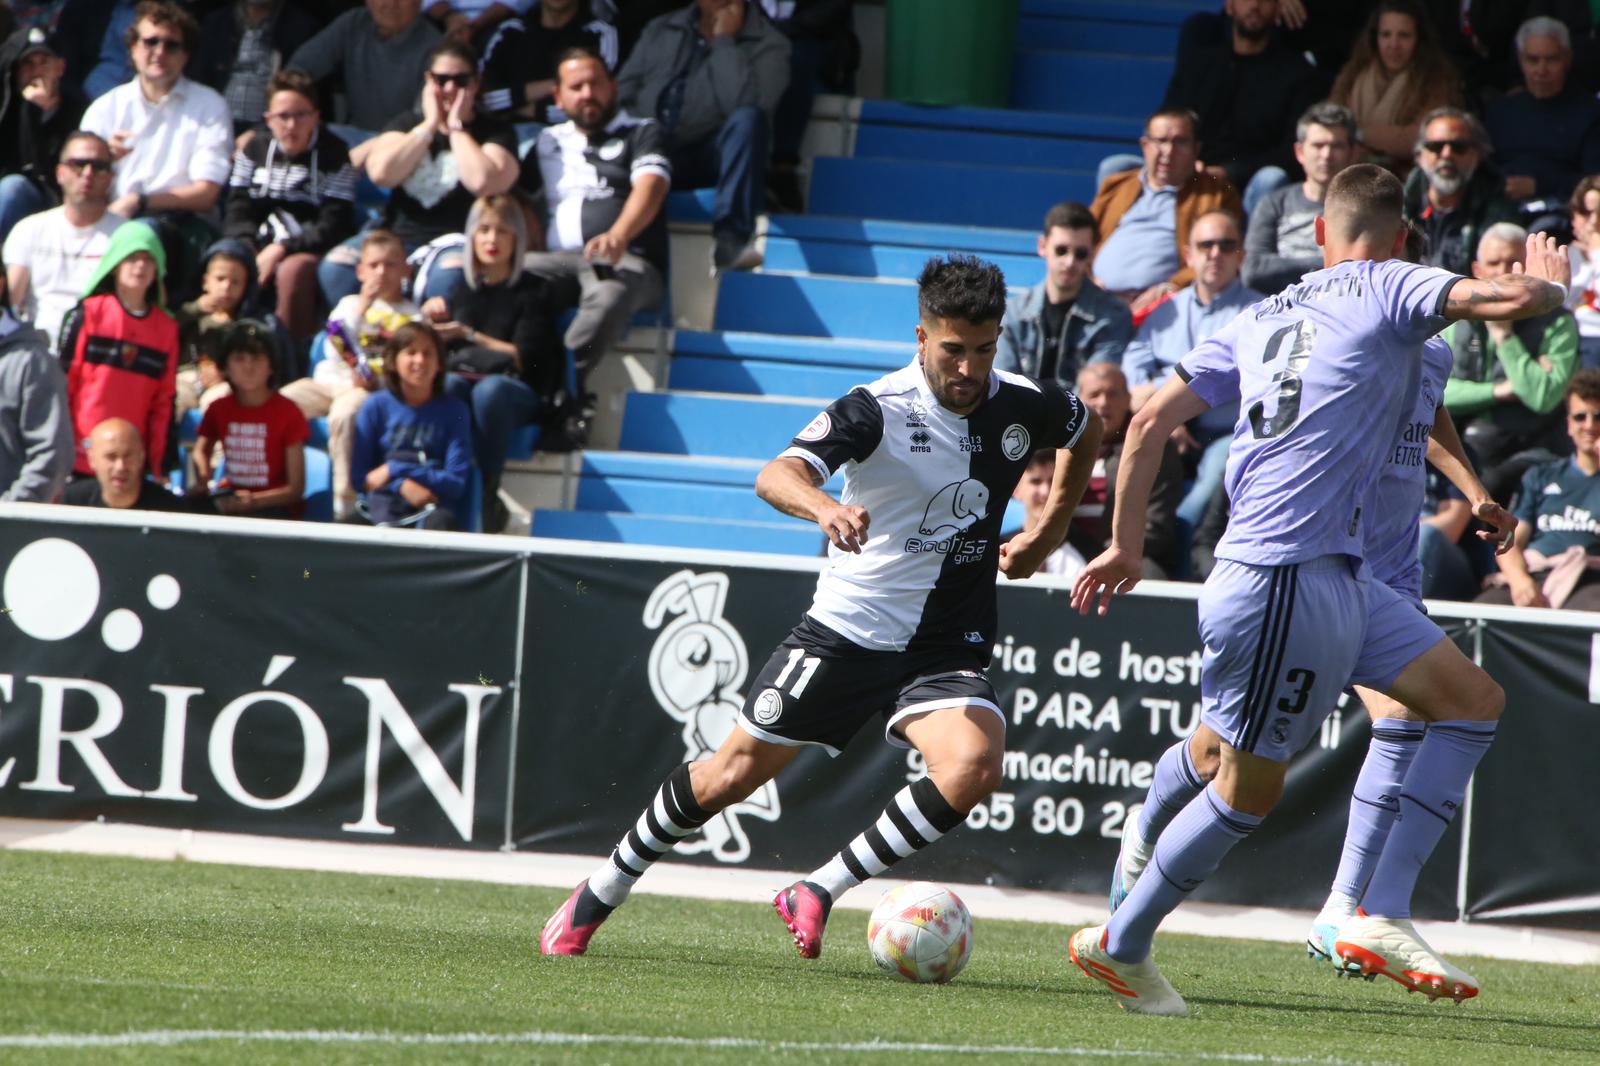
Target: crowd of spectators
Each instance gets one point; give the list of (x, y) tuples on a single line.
[(428, 223), (1494, 131), (227, 210)]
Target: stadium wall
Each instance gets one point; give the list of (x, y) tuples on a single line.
[(490, 693)]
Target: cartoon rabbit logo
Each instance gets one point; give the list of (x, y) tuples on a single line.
[(697, 668)]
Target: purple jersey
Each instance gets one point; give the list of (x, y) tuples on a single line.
[(1323, 372), (1397, 498)]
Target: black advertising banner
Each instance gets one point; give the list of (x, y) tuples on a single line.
[(1090, 704), (379, 686), (1534, 841), (174, 675)]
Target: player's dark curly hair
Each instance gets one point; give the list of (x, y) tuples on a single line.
[(961, 286)]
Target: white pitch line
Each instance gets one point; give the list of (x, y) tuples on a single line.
[(171, 1037)]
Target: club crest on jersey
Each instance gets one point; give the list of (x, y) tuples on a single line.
[(768, 707), (1014, 441), (916, 416), (955, 507), (817, 428), (611, 149)]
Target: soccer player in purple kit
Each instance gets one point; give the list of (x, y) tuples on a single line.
[(1391, 537), (1325, 372)]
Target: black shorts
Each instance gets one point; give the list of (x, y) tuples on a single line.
[(819, 688)]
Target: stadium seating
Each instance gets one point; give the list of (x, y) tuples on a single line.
[(835, 302)]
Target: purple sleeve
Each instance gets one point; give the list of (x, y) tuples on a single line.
[(1211, 369), (1413, 297)]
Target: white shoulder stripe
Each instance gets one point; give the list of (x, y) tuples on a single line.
[(1016, 379)]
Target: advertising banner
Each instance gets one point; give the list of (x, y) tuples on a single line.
[(458, 691), (640, 666), (297, 687), (1534, 840)]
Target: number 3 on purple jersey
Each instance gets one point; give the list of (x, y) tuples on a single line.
[(1287, 379)]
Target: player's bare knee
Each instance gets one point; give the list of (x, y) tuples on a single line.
[(1488, 702), (967, 780), (721, 781)]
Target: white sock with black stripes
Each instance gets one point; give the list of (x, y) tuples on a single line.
[(916, 817), (673, 815)]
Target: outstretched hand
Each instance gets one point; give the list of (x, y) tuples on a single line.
[(1111, 572), (1546, 260)]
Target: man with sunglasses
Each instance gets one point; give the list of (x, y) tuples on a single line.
[(171, 138), (1455, 193), (1550, 563), (1066, 321), (1215, 253), (50, 256)]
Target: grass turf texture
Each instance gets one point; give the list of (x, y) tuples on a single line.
[(98, 945)]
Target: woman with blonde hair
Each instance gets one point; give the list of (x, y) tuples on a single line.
[(1396, 74)]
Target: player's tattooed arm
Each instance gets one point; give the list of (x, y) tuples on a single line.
[(792, 486), (1536, 286), (1026, 552)]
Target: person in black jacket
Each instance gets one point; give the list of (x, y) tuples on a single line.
[(37, 112), (1249, 90), (291, 197), (505, 359), (242, 44)]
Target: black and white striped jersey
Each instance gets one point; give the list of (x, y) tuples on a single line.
[(585, 181), (523, 50), (935, 486)]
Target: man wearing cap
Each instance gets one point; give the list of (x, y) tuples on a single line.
[(36, 113)]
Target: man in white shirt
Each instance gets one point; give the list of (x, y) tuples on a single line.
[(172, 138), (50, 255)]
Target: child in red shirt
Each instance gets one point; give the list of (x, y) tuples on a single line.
[(263, 435)]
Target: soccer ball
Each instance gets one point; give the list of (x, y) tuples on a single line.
[(921, 932)]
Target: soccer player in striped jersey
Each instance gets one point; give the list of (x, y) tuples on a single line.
[(1325, 372), (903, 621)]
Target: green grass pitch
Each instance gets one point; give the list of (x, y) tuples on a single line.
[(266, 966)]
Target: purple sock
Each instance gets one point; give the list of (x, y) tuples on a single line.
[(1174, 785), (1376, 801), (1187, 853), (1432, 792)]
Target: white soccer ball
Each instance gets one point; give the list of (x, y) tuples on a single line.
[(920, 932)]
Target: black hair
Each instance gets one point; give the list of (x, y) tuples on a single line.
[(246, 336), (1070, 214), (961, 286)]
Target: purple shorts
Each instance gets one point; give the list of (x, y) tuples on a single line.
[(1398, 630), (1281, 643)]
